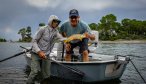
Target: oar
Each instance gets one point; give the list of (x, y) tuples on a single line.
[(64, 66), (14, 55)]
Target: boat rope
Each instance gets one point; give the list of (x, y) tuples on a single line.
[(138, 71)]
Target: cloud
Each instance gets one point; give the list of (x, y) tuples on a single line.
[(15, 14), (129, 4), (69, 4), (8, 33), (43, 4), (87, 5), (8, 30)]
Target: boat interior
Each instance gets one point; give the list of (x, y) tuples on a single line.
[(93, 56), (58, 53)]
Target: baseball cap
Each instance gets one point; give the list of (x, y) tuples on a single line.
[(73, 12)]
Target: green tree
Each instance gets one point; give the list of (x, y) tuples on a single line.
[(28, 31), (134, 29), (144, 27), (42, 24), (25, 34), (22, 32), (2, 40), (93, 26), (108, 27), (28, 37)]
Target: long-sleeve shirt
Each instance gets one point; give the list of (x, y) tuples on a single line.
[(45, 39)]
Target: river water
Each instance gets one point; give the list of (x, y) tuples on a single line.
[(13, 71)]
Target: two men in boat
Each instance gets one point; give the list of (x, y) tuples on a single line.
[(75, 26), (44, 40), (43, 43)]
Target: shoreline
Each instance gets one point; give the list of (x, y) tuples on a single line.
[(126, 41), (116, 41)]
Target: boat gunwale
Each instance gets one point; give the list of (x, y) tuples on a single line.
[(90, 62)]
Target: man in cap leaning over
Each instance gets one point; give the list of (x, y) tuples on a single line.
[(42, 45), (76, 26)]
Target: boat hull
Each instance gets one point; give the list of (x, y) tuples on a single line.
[(95, 71)]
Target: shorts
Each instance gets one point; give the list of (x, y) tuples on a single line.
[(83, 45)]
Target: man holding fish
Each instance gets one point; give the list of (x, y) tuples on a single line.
[(72, 29)]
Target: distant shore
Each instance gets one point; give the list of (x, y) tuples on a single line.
[(124, 41), (116, 41)]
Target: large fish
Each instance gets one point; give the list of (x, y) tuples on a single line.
[(75, 37)]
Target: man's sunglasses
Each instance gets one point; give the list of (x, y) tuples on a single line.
[(73, 17), (56, 21)]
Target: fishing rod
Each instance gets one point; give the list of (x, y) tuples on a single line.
[(15, 55)]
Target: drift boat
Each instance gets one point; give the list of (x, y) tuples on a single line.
[(99, 67)]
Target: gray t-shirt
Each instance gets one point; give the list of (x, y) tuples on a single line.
[(81, 28)]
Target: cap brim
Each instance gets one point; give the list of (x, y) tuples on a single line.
[(73, 15)]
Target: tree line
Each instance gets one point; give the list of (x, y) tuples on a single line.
[(25, 34), (127, 29), (3, 40), (108, 27)]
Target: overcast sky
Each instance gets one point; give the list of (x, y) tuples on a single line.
[(16, 14)]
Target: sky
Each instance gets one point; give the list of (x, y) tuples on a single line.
[(17, 14)]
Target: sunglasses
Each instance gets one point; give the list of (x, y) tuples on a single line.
[(56, 21), (73, 17)]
